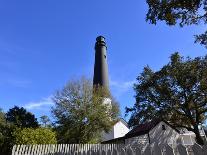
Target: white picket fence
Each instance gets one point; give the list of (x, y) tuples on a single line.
[(106, 149)]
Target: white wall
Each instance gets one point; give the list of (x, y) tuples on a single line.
[(120, 129), (140, 141), (108, 136), (169, 136)]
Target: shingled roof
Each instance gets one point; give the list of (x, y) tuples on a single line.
[(142, 129), (145, 128)]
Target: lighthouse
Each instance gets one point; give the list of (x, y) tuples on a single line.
[(100, 77)]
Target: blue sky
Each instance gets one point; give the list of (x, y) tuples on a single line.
[(43, 44)]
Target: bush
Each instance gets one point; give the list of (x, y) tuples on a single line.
[(34, 136), (6, 138)]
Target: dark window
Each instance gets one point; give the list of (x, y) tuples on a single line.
[(105, 56), (163, 127)]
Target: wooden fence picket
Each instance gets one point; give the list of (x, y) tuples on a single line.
[(105, 149), (114, 152), (168, 150), (20, 149), (137, 151), (103, 152), (122, 152), (109, 152), (147, 151), (88, 152), (182, 150), (197, 149), (14, 150), (204, 149), (37, 149), (156, 149), (129, 151)]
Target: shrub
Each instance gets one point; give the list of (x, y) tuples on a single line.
[(34, 136)]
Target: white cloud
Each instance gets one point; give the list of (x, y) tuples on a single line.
[(119, 88), (122, 85), (19, 83), (39, 104)]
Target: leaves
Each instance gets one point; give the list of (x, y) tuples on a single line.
[(80, 112), (33, 136), (182, 12), (2, 117), (21, 118), (45, 121), (6, 138), (176, 93)]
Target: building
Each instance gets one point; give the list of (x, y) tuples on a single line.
[(158, 131), (153, 131), (120, 129), (101, 79)]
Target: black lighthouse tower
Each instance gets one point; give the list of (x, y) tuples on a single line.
[(101, 67)]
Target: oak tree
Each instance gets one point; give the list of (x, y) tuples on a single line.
[(182, 12), (20, 117), (176, 93)]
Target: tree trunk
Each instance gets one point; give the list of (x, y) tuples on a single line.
[(199, 140)]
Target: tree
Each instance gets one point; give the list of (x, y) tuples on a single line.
[(80, 112), (2, 123), (184, 12), (176, 93), (6, 138), (21, 118), (5, 135), (45, 121), (2, 117), (34, 136)]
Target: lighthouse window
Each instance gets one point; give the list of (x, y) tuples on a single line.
[(105, 56), (163, 127)]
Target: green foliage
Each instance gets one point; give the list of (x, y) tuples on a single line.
[(45, 121), (2, 123), (80, 112), (2, 117), (13, 131), (21, 118), (6, 140), (176, 93), (184, 12), (34, 136), (5, 135)]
